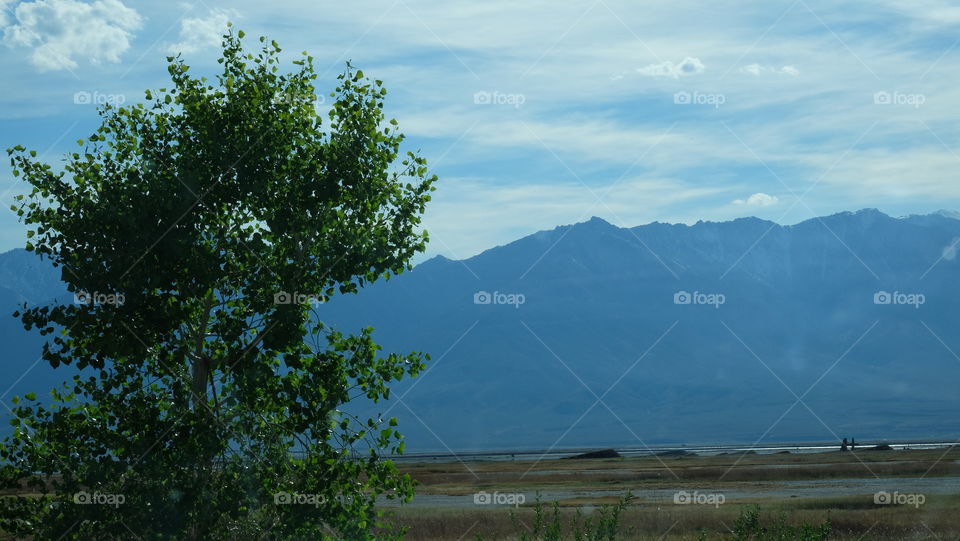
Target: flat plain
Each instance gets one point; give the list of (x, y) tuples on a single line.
[(866, 494)]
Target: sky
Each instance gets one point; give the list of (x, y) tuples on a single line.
[(536, 114)]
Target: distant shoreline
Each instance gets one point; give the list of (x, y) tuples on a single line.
[(634, 451)]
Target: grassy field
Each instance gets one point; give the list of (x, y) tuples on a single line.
[(804, 488), (798, 489)]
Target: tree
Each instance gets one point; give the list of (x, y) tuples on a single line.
[(200, 231)]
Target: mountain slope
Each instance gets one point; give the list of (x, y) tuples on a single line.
[(599, 352), (599, 317)]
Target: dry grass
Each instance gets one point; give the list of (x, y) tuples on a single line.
[(853, 516), (456, 478)]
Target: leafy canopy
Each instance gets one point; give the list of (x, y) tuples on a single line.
[(201, 231)]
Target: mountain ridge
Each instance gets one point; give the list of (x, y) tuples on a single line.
[(616, 312), (596, 220)]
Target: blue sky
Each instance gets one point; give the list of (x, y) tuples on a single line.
[(536, 114)]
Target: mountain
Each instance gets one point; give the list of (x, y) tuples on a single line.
[(599, 321), (595, 335), (24, 278)]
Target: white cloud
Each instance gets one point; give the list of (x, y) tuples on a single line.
[(757, 69), (758, 199), (687, 66), (61, 31), (930, 12), (4, 13), (200, 33)]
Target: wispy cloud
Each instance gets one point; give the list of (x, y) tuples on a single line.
[(5, 14), (757, 69), (687, 66), (798, 91)]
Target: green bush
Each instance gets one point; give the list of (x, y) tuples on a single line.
[(549, 525), (748, 527)]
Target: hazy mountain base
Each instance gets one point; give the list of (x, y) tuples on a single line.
[(798, 320)]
